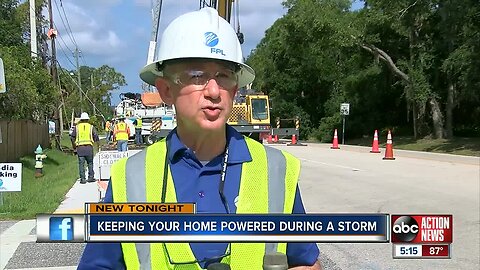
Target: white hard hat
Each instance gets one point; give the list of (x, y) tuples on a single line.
[(84, 116), (199, 34)]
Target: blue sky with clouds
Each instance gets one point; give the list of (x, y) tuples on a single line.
[(117, 32)]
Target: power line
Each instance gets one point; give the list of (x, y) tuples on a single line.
[(83, 92), (66, 56), (68, 29), (68, 24), (83, 58), (70, 35)]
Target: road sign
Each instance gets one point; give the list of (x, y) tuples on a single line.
[(3, 86), (345, 108), (10, 177)]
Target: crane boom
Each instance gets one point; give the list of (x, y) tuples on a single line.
[(224, 9), (156, 10)]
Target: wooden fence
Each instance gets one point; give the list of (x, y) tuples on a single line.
[(19, 138)]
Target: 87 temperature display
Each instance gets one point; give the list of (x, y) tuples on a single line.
[(421, 251)]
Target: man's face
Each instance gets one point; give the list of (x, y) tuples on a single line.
[(202, 92)]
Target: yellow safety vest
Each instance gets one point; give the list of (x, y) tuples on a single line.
[(108, 126), (121, 132), (84, 134), (267, 185), (139, 123)]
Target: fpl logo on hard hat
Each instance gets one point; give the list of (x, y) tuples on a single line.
[(211, 40)]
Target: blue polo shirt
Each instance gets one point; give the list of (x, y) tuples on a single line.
[(198, 183)]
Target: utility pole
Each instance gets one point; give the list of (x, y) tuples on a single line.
[(79, 80), (33, 30), (53, 69)]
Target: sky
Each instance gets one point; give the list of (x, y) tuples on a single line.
[(117, 32)]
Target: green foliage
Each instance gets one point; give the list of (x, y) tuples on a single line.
[(10, 26), (314, 58), (324, 133), (30, 94), (60, 171), (97, 83)]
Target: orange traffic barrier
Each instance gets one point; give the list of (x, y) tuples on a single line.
[(375, 143), (389, 150), (335, 141)]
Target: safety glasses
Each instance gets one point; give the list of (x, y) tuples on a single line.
[(227, 79)]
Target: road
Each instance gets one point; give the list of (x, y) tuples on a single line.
[(335, 181)]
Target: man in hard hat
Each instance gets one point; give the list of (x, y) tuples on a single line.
[(138, 123), (85, 136), (121, 133), (109, 130), (199, 71)]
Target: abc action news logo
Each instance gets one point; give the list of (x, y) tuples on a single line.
[(422, 228)]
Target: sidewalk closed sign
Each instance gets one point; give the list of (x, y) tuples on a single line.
[(107, 158), (10, 177), (3, 86), (103, 160)]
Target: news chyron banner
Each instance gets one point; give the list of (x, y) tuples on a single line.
[(155, 222), (422, 236)]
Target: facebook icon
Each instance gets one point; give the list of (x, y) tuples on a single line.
[(61, 228)]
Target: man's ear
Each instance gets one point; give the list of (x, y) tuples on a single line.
[(164, 89)]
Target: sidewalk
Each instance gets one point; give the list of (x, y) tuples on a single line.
[(77, 196), (17, 239)]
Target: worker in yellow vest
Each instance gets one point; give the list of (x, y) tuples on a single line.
[(138, 123), (121, 133), (203, 160), (109, 130), (85, 136)]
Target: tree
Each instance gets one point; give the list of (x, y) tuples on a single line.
[(30, 92), (97, 83)]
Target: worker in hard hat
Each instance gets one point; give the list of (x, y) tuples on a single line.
[(203, 160), (138, 123), (85, 136), (109, 130), (121, 133)]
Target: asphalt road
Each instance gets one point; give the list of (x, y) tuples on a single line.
[(355, 181), (349, 180)]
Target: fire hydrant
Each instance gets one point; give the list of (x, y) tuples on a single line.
[(39, 157)]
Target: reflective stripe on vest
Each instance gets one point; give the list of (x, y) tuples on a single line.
[(121, 132), (268, 185), (84, 134)]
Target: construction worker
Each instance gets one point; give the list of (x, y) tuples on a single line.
[(138, 129), (85, 135), (121, 132), (210, 163), (109, 130)]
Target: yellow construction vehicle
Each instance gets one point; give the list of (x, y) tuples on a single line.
[(251, 110), (251, 114)]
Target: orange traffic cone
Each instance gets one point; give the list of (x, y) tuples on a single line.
[(335, 141), (375, 143), (294, 139), (389, 150), (269, 140)]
